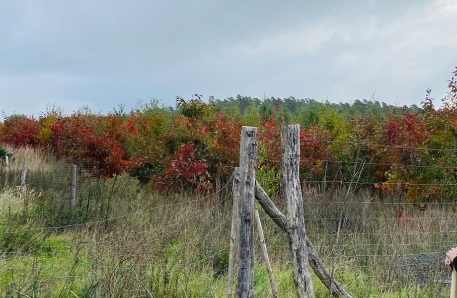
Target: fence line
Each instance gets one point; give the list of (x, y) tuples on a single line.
[(404, 147), (209, 234), (379, 182), (108, 220), (366, 163), (200, 199), (108, 242), (191, 264), (285, 246), (354, 246)]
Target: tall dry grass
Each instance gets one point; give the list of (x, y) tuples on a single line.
[(367, 233), (123, 240)]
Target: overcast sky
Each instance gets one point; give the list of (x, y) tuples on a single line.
[(100, 54)]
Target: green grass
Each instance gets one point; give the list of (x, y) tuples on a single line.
[(49, 271), (126, 241)]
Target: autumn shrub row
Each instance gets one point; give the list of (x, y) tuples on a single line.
[(410, 153)]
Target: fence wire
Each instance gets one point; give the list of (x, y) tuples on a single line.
[(390, 242)]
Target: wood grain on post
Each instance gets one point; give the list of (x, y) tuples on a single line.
[(291, 191), (263, 245), (315, 262), (247, 170), (234, 236)]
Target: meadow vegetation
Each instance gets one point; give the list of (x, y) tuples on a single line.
[(126, 240), (153, 208)]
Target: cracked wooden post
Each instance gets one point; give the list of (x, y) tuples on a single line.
[(247, 170), (234, 236), (291, 192)]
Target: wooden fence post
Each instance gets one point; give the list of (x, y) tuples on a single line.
[(7, 161), (234, 236), (263, 245), (73, 187), (23, 176), (247, 170), (291, 191)]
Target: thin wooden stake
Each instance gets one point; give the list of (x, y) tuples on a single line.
[(73, 187), (234, 233), (314, 261), (248, 166), (263, 245), (291, 191), (454, 284), (23, 176)]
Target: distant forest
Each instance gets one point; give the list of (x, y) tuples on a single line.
[(306, 111)]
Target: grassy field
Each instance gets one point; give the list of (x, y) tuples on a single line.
[(123, 240)]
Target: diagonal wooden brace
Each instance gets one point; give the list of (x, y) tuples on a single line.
[(335, 289)]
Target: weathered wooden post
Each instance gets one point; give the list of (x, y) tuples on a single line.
[(291, 191), (234, 236), (73, 187), (263, 245), (247, 170), (23, 176), (6, 161)]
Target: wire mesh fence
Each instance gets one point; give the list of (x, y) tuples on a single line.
[(124, 240)]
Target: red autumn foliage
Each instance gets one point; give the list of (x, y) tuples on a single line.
[(270, 141), (75, 139), (223, 153), (185, 171), (409, 153), (404, 134), (20, 131), (314, 148)]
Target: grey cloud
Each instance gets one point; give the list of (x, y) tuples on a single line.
[(104, 52)]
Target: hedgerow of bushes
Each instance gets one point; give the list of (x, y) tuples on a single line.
[(410, 151)]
